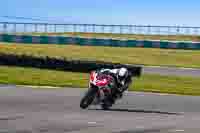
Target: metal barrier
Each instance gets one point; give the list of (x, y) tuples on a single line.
[(98, 42), (12, 27)]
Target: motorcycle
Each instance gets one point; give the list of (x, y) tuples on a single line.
[(100, 91)]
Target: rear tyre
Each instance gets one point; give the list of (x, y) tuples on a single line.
[(106, 106), (88, 98)]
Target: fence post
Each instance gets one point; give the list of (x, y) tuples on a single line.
[(65, 28), (35, 28), (158, 31), (15, 28), (168, 32), (111, 27), (24, 28), (4, 27), (130, 29), (74, 28), (120, 29), (55, 28), (149, 29), (102, 28), (93, 28), (45, 28), (85, 27), (177, 30)]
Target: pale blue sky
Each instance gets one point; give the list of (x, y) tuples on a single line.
[(154, 12)]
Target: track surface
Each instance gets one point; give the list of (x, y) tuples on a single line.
[(26, 110), (172, 71)]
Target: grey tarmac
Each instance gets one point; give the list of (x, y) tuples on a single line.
[(28, 110), (191, 72)]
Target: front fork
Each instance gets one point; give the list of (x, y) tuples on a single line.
[(101, 97)]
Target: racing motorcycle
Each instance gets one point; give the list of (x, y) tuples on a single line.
[(100, 91)]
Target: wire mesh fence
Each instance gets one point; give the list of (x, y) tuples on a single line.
[(13, 28)]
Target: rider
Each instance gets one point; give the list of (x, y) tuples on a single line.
[(122, 78)]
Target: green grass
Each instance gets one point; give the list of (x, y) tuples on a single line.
[(43, 77), (126, 36), (144, 56), (148, 83)]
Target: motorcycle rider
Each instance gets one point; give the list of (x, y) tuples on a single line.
[(122, 77)]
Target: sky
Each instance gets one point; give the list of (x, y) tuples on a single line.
[(144, 12)]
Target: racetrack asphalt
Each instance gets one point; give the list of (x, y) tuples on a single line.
[(27, 110), (192, 72)]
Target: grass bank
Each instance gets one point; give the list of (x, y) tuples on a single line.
[(147, 83), (141, 56)]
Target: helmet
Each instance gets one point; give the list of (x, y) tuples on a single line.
[(122, 74)]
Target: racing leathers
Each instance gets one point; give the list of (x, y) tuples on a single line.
[(121, 85)]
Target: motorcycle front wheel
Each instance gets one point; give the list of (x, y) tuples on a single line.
[(88, 98)]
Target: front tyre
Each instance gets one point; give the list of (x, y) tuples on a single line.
[(88, 98)]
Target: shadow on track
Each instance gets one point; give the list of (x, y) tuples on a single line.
[(153, 130), (140, 111)]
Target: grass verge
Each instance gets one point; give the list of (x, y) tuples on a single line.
[(144, 56), (147, 83)]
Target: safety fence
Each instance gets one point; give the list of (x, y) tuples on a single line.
[(29, 39), (13, 27)]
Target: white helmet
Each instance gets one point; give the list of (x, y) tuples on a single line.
[(122, 74)]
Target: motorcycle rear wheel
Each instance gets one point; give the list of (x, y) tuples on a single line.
[(107, 104)]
